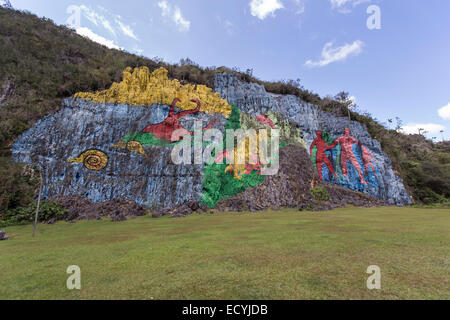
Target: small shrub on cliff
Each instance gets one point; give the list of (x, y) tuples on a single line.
[(320, 194)]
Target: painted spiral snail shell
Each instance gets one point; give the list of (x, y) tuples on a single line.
[(92, 159)]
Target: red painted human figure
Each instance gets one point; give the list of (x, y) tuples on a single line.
[(165, 129), (367, 159), (321, 157), (346, 142)]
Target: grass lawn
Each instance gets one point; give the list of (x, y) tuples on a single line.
[(269, 255)]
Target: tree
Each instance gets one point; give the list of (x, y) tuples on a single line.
[(188, 62), (344, 98), (6, 4), (38, 204), (399, 124), (390, 122)]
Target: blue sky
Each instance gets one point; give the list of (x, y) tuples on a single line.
[(401, 69)]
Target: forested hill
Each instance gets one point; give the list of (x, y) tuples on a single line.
[(42, 63)]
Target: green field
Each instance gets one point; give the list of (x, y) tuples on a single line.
[(268, 255)]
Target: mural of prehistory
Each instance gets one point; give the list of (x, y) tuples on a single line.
[(117, 144), (333, 139)]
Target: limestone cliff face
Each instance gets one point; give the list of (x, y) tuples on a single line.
[(253, 99), (81, 125), (98, 146)]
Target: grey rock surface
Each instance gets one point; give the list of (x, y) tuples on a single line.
[(253, 99)]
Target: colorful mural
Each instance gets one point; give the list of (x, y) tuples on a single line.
[(132, 146), (161, 134), (144, 88), (221, 180), (367, 159), (135, 118), (337, 154), (320, 156), (165, 129), (252, 161)]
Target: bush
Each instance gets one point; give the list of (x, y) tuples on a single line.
[(320, 194), (47, 211), (17, 185)]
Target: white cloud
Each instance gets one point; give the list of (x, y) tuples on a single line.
[(338, 3), (344, 6), (165, 7), (352, 99), (330, 54), (227, 25), (97, 19), (126, 30), (137, 50), (430, 128), (300, 6), (86, 32), (262, 8), (174, 13), (183, 24), (444, 112), (100, 20)]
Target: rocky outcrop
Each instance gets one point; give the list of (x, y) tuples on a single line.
[(253, 99)]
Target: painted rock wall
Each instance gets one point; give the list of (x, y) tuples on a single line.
[(117, 143), (105, 145), (381, 181), (81, 125)]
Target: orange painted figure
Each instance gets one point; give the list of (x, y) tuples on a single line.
[(346, 142), (367, 159), (321, 157), (165, 129)]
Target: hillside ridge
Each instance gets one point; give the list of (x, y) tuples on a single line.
[(33, 83)]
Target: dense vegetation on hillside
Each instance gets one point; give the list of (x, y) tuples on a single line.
[(41, 63)]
